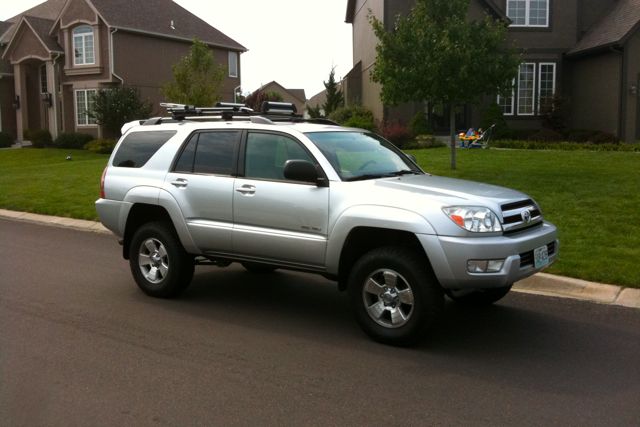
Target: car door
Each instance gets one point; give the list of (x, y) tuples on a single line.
[(201, 182), (276, 219)]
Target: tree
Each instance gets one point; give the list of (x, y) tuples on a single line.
[(436, 54), (116, 106), (197, 78), (335, 98), (255, 100)]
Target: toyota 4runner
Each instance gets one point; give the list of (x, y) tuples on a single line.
[(271, 190)]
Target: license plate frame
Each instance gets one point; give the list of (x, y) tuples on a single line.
[(541, 257)]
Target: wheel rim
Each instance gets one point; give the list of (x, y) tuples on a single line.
[(153, 260), (388, 298)]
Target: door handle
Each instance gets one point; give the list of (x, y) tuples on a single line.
[(180, 183), (247, 190)]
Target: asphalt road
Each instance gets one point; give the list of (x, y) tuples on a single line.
[(80, 345)]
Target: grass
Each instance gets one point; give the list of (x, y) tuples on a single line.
[(593, 198)]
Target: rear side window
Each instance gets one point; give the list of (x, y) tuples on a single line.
[(210, 153), (138, 147)]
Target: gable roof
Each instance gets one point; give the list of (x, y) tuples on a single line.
[(296, 93), (40, 28), (163, 18), (612, 29)]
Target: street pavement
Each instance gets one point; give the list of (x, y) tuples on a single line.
[(539, 284)]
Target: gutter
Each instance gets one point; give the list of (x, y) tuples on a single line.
[(54, 94), (111, 66)]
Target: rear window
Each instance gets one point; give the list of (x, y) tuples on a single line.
[(138, 147)]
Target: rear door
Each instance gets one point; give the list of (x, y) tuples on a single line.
[(201, 181), (274, 218)]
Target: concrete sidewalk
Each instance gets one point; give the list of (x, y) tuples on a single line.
[(539, 284)]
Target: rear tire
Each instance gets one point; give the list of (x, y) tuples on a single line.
[(159, 264), (395, 295), (478, 297)]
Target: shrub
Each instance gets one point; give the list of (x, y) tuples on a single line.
[(101, 146), (579, 135), (395, 132), (72, 140), (492, 115), (564, 146), (419, 124), (604, 138), (354, 116), (256, 99), (546, 135), (5, 140), (118, 105), (424, 141), (40, 138)]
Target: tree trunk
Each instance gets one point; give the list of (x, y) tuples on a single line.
[(452, 130)]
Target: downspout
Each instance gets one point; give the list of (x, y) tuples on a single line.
[(54, 95), (111, 66), (622, 96)]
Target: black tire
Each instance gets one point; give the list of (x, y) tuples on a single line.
[(403, 300), (258, 268), (479, 297), (159, 264)]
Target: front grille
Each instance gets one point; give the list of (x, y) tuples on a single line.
[(526, 258), (515, 213)]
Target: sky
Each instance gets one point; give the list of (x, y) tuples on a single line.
[(294, 42)]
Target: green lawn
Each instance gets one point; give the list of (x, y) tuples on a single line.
[(593, 198)]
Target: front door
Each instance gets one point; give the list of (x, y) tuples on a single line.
[(276, 219)]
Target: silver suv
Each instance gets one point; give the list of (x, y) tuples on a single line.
[(271, 190)]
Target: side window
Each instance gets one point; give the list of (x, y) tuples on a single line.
[(267, 153), (209, 153), (138, 147)]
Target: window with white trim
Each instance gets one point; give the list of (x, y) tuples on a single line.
[(43, 78), (528, 13), (507, 103), (547, 85), (233, 64), (85, 101), (83, 45), (526, 88)]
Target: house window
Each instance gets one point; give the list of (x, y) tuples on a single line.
[(233, 64), (547, 88), (526, 85), (85, 101), (83, 45), (506, 103), (528, 13), (43, 79)]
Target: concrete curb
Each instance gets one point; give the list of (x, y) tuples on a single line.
[(538, 284)]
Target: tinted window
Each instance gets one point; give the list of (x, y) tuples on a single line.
[(267, 153), (210, 153), (138, 147)]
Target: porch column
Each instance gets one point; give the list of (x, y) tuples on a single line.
[(52, 111), (22, 113)]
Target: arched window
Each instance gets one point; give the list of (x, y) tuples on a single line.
[(83, 45)]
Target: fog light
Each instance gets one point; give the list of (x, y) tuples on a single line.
[(484, 265)]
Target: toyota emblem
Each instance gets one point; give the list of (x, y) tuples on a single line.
[(526, 216)]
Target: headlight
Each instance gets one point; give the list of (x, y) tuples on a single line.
[(474, 218)]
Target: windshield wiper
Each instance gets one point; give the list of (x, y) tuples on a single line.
[(383, 175), (404, 172)]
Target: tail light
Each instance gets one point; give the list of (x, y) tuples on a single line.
[(104, 173)]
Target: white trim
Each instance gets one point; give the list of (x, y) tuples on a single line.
[(84, 36), (75, 108), (237, 59), (553, 82), (533, 90), (513, 100), (527, 15)]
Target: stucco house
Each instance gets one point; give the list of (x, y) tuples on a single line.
[(586, 52), (55, 56)]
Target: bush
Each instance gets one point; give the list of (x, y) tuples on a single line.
[(492, 115), (40, 138), (72, 140), (5, 140), (354, 116), (419, 124), (564, 146), (101, 146), (604, 138), (424, 141), (546, 135), (395, 132)]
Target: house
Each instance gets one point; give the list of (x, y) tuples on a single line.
[(585, 52), (296, 96), (55, 56)]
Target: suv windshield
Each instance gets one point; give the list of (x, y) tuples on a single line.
[(361, 155)]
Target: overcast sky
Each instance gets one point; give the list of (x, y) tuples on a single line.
[(295, 42)]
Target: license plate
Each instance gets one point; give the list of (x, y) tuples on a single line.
[(541, 256)]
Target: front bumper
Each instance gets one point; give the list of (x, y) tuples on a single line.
[(449, 256)]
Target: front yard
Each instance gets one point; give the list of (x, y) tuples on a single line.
[(593, 198)]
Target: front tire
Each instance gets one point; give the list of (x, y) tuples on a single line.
[(159, 264), (395, 295)]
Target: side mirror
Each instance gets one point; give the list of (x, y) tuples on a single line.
[(303, 171)]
